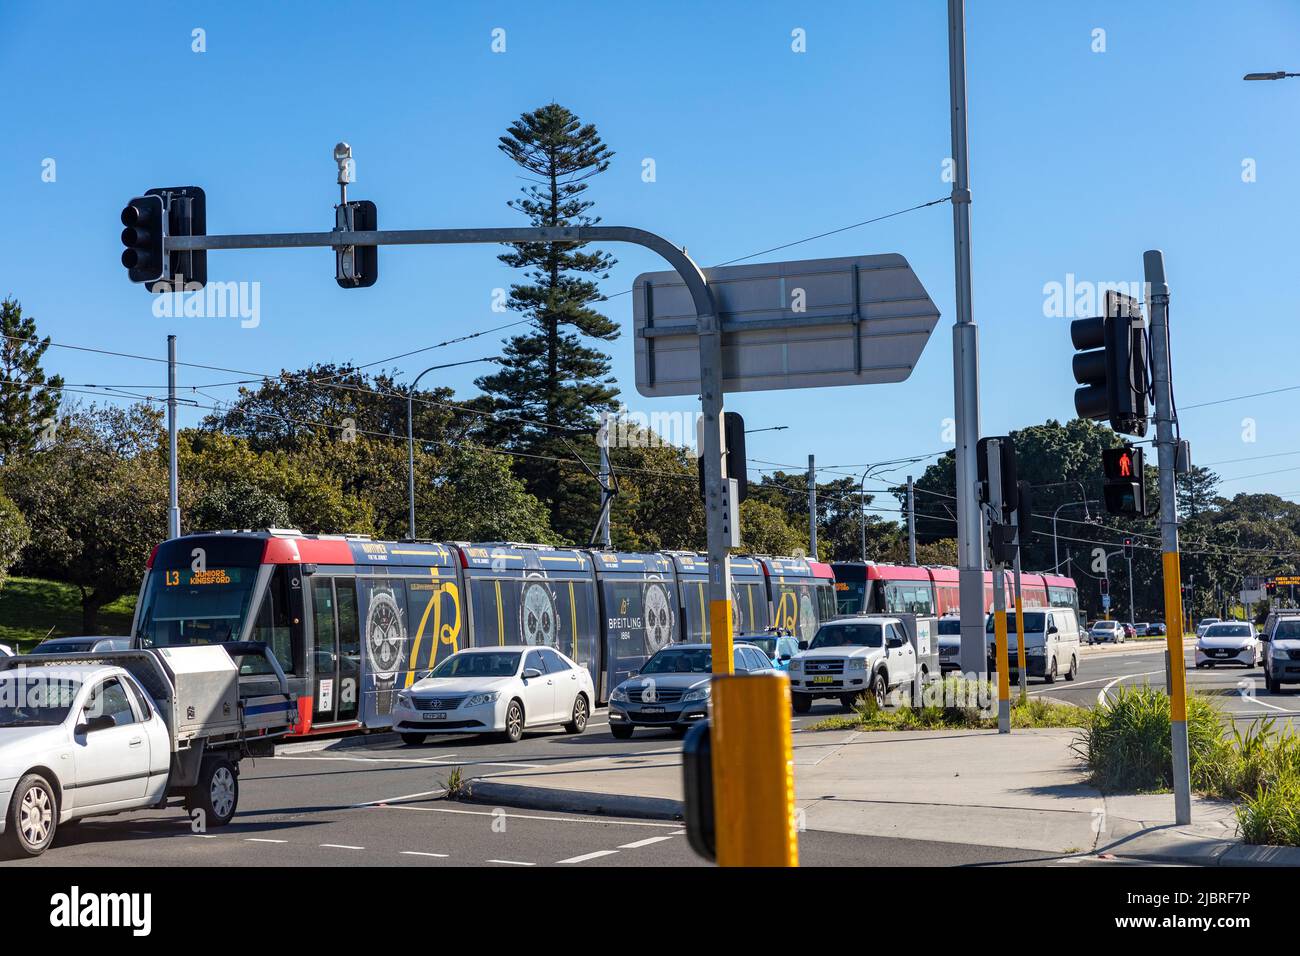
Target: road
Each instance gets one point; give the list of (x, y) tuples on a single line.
[(1241, 693), (380, 803)]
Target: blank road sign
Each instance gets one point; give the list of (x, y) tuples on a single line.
[(806, 324)]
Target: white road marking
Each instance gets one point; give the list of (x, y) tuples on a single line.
[(1101, 694), (417, 761), (588, 856), (1264, 703), (340, 846), (408, 796), (205, 836), (528, 816), (646, 842), (512, 862), (262, 840), (419, 853)]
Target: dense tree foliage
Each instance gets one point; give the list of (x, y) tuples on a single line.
[(27, 399)]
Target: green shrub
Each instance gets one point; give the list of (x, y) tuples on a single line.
[(1272, 815)]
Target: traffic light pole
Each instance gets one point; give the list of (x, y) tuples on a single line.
[(965, 360), (1020, 618), (753, 785), (1166, 443), (996, 493)]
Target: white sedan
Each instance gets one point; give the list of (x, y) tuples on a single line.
[(1226, 642), (497, 690)]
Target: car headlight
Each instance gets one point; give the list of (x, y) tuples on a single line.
[(404, 698), (698, 693), (1039, 651), (796, 664), (856, 664), (479, 699), (620, 693)]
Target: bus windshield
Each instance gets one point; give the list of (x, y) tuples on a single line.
[(182, 607)]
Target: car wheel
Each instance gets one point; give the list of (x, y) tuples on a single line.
[(1049, 676), (802, 703), (847, 701), (514, 731), (579, 721), (680, 732), (413, 740), (216, 794), (1073, 672), (1274, 686), (33, 817), (879, 689), (621, 731)]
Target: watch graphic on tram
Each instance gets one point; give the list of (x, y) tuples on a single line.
[(385, 638)]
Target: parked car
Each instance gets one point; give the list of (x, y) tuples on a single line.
[(82, 738), (1156, 629), (1130, 631), (673, 688), (1281, 651), (778, 648), (1228, 642), (949, 643), (1102, 631), (1051, 645), (6, 650), (82, 645), (1204, 623), (851, 656), (1141, 630), (496, 690)]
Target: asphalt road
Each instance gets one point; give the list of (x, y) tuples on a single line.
[(1240, 692), (380, 803)]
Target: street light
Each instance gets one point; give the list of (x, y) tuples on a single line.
[(1087, 516), (1279, 75), (410, 428)]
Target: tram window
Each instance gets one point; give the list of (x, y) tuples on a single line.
[(273, 625), (825, 603)]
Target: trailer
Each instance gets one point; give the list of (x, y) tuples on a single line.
[(100, 734)]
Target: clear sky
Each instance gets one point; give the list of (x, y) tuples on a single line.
[(1080, 161)]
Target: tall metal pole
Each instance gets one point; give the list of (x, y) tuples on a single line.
[(1132, 614), (812, 508), (1161, 375), (603, 533), (1020, 618), (173, 478), (410, 459), (997, 494), (911, 523), (965, 360)]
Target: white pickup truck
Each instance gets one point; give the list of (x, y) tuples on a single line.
[(868, 654), (94, 734)]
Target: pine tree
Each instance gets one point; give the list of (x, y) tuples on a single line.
[(550, 374), (27, 399)]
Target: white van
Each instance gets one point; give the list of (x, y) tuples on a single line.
[(1051, 644)]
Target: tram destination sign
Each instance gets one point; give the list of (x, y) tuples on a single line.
[(811, 323)]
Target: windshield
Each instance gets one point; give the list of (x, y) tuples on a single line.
[(949, 626), (182, 606), (848, 635), (1105, 625), (61, 646), (489, 664), (1288, 629), (765, 644), (35, 698), (848, 596), (1033, 622), (1230, 630), (681, 660)]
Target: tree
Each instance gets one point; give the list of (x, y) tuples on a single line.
[(96, 502), (27, 399), (13, 535), (765, 530), (550, 374)]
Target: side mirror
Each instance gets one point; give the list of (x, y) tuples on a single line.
[(95, 724), (634, 674), (531, 672), (803, 645), (785, 657), (895, 642)]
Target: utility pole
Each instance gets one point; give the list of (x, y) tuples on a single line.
[(173, 478), (812, 508), (965, 360), (1021, 512), (603, 531), (911, 523), (997, 509), (1167, 446)]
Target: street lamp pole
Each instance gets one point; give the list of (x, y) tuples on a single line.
[(410, 434), (1056, 548)]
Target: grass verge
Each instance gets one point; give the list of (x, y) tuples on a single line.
[(30, 607)]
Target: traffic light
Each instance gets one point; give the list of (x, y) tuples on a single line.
[(1111, 365), (733, 454), (142, 235), (356, 267), (1124, 490), (1104, 584), (1006, 472), (169, 211), (1128, 548)]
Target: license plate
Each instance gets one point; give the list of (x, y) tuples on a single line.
[(823, 680), (434, 716), (652, 710)]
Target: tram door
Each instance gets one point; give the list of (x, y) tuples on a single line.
[(336, 649)]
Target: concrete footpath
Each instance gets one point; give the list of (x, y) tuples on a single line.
[(1025, 790)]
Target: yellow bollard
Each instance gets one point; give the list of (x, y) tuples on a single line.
[(753, 771)]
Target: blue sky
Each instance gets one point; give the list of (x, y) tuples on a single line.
[(1080, 161)]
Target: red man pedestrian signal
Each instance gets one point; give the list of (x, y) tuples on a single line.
[(1124, 491)]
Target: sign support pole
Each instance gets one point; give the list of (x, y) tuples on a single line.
[(996, 495), (173, 478), (1162, 373), (1020, 620)]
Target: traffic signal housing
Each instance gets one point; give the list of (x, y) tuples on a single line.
[(1124, 490), (733, 455), (167, 211), (142, 235), (1110, 365)]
